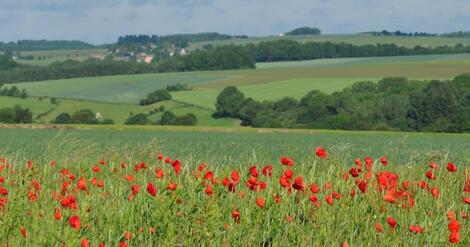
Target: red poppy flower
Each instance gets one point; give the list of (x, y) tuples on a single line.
[(84, 243), (353, 172), (454, 226), (254, 171), (151, 189), (454, 237), (171, 186), (435, 192), (236, 215), (298, 184), (314, 188), (320, 152), (23, 231), (81, 184), (433, 165), (74, 222), (260, 202), (392, 222), (329, 199), (209, 190), (267, 170), (57, 214), (160, 156), (384, 160), (176, 166), (466, 200), (378, 228), (451, 167), (287, 161), (235, 177), (363, 186), (430, 175), (416, 229)]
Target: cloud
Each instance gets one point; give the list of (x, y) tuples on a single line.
[(104, 20)]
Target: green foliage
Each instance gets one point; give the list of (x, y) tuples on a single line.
[(36, 45), (304, 31), (178, 87), (15, 114), (391, 104), (138, 119), (6, 62), (156, 96), (84, 116), (168, 118), (63, 118), (188, 119), (229, 102), (13, 92)]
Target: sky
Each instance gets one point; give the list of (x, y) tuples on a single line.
[(103, 21)]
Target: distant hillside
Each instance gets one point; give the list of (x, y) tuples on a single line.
[(42, 45)]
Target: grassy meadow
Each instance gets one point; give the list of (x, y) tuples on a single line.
[(144, 186)]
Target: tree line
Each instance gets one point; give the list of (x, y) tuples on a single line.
[(230, 57), (390, 104), (35, 45), (179, 40), (289, 50)]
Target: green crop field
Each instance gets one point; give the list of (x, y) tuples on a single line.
[(230, 146), (42, 58), (356, 39)]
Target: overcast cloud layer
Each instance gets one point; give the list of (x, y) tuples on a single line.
[(100, 21)]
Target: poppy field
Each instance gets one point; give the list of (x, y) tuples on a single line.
[(186, 187)]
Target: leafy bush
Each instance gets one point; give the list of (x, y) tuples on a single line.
[(138, 119), (168, 118), (63, 118), (187, 120), (84, 116), (15, 114), (156, 96)]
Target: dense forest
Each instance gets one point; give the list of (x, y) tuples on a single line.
[(390, 104), (35, 45)]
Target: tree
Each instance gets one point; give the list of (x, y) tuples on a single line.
[(63, 118), (168, 118), (187, 120), (229, 102), (156, 96), (15, 114), (305, 31), (84, 116)]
